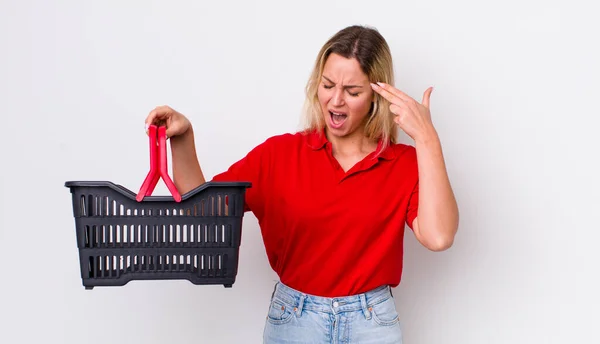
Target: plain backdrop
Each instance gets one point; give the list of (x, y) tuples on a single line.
[(514, 102)]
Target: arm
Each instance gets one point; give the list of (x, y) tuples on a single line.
[(187, 173), (437, 220)]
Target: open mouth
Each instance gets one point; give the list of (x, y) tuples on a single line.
[(337, 118)]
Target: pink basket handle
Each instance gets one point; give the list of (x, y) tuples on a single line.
[(158, 165)]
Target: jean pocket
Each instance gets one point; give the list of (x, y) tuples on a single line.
[(385, 313), (279, 312)]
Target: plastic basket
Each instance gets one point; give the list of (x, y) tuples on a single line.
[(123, 236)]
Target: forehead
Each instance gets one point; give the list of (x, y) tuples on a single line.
[(338, 68)]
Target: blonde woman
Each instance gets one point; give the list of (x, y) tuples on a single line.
[(333, 199)]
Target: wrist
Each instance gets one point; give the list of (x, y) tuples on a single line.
[(429, 137), (184, 137)]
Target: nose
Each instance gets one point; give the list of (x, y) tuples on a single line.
[(337, 98)]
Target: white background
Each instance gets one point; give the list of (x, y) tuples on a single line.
[(516, 84)]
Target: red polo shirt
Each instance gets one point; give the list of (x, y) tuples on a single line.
[(328, 232)]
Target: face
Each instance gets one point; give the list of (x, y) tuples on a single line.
[(345, 96)]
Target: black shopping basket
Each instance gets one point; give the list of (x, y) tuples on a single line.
[(123, 236)]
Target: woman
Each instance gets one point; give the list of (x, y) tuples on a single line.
[(332, 200)]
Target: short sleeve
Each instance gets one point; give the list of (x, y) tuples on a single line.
[(413, 206), (251, 168)]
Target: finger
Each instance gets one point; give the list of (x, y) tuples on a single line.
[(398, 113), (149, 120), (426, 96), (391, 89), (151, 117), (397, 110), (386, 94), (171, 130), (404, 99), (160, 113)]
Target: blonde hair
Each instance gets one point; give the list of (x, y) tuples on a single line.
[(373, 54)]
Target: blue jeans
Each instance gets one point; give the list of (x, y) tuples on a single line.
[(296, 317)]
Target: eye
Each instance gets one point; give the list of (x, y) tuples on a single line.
[(327, 86), (353, 94)]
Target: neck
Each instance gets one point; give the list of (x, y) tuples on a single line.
[(355, 144)]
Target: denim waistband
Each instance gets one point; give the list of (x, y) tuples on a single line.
[(333, 305)]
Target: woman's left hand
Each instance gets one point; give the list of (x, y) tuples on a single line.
[(411, 116)]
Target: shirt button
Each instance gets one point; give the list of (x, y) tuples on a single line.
[(335, 304)]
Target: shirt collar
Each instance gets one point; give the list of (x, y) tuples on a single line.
[(317, 140)]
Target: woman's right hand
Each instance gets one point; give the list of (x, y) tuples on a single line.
[(176, 123)]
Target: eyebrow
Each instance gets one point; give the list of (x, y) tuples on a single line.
[(347, 86)]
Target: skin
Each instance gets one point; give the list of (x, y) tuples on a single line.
[(187, 173), (346, 89), (437, 223)]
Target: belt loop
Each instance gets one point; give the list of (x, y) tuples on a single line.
[(300, 305), (363, 303)]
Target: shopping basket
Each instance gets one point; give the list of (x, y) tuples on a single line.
[(123, 236)]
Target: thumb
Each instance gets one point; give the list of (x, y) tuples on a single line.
[(426, 96), (173, 128), (169, 132)]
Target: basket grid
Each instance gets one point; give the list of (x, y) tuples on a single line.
[(102, 205), (113, 266)]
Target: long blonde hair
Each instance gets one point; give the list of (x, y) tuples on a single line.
[(373, 54)]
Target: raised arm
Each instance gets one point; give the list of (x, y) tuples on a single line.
[(187, 173), (437, 221)]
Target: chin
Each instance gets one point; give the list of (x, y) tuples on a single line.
[(337, 132)]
